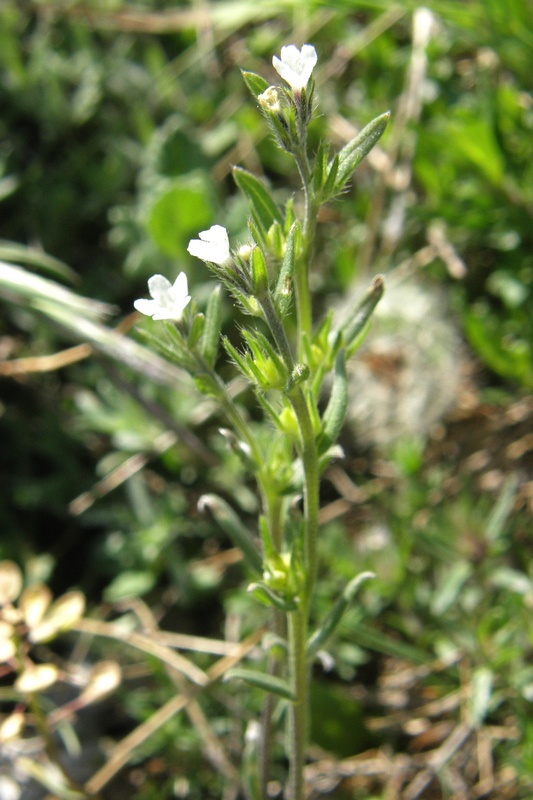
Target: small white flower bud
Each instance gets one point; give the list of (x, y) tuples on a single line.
[(269, 100)]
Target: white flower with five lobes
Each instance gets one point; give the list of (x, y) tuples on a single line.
[(212, 246), (296, 66), (168, 300)]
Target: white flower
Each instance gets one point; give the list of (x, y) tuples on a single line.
[(296, 66), (168, 300), (212, 246)]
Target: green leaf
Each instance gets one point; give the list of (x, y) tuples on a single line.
[(234, 528), (261, 680), (268, 597), (320, 637), (335, 412), (180, 207), (264, 209), (23, 254), (360, 316), (353, 153), (255, 83)]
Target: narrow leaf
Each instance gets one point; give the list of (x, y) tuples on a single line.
[(234, 528), (353, 153), (264, 208), (319, 638), (261, 680), (335, 412), (268, 597), (361, 315)]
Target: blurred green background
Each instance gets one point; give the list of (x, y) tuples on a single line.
[(119, 125)]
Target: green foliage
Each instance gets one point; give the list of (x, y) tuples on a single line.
[(109, 142)]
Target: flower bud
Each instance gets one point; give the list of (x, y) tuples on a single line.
[(270, 100)]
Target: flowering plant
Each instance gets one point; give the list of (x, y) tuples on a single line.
[(289, 361)]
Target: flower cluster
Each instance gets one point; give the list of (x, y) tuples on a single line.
[(168, 301)]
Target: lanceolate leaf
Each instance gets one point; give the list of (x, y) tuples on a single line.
[(234, 528), (264, 208), (320, 637), (353, 153), (268, 683), (268, 597), (255, 83), (355, 326), (335, 412)]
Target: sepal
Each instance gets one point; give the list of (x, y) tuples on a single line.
[(258, 267), (213, 324), (196, 331), (283, 291)]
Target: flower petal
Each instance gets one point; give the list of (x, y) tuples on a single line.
[(159, 286), (295, 66), (168, 300), (147, 307), (212, 246)]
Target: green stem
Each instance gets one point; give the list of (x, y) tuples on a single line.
[(311, 488), (301, 276), (299, 710), (298, 621), (267, 732)]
